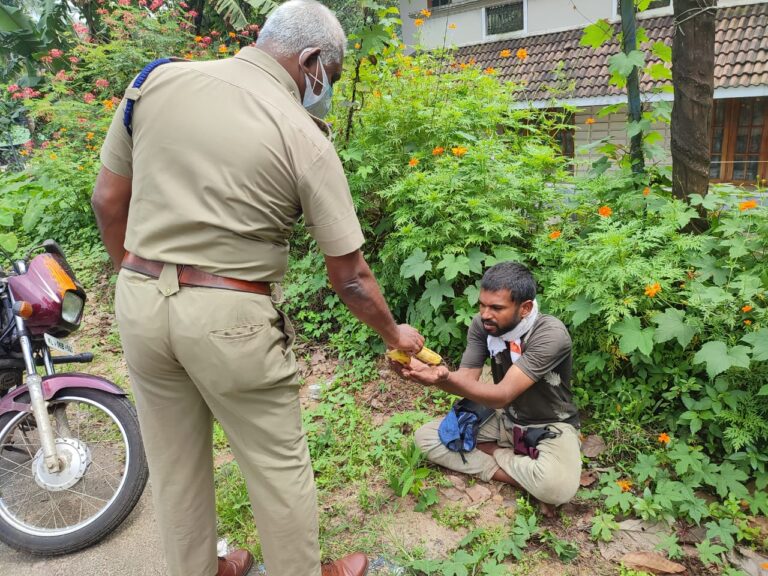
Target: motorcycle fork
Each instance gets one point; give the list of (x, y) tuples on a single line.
[(34, 385)]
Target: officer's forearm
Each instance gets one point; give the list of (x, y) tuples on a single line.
[(355, 284), (110, 201)]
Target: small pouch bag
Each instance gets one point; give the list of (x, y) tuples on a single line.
[(525, 440)]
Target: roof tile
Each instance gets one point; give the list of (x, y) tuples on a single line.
[(741, 55)]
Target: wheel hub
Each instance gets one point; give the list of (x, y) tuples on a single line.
[(74, 458)]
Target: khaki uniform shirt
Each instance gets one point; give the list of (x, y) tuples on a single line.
[(224, 160)]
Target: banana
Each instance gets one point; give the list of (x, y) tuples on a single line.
[(425, 355)]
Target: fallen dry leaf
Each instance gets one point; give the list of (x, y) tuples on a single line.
[(593, 446), (651, 562), (588, 477)]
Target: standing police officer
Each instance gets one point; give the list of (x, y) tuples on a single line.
[(196, 205)]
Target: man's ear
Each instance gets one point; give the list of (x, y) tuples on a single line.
[(525, 308), (310, 59)]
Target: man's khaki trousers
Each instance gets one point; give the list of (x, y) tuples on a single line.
[(195, 354), (552, 478)]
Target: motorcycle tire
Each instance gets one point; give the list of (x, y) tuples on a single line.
[(52, 542)]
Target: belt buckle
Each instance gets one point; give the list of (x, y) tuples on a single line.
[(276, 293)]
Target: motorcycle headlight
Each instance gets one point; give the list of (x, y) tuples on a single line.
[(72, 307)]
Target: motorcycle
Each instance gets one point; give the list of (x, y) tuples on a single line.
[(72, 465)]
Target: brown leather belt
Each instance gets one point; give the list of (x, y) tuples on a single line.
[(191, 276)]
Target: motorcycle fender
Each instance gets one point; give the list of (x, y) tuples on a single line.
[(54, 384)]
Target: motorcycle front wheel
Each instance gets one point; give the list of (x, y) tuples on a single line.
[(103, 471)]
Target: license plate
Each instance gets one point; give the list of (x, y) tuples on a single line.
[(59, 345)]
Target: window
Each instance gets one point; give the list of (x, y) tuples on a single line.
[(739, 142), (438, 3), (505, 18), (652, 6)]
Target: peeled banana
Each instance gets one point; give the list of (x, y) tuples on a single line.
[(425, 355)]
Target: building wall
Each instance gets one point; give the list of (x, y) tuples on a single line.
[(612, 126)]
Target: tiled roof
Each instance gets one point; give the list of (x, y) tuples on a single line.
[(557, 60)]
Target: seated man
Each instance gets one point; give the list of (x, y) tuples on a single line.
[(531, 365)]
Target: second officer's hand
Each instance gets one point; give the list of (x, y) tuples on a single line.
[(424, 374), (408, 339)]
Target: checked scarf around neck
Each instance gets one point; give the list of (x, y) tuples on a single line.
[(498, 344)]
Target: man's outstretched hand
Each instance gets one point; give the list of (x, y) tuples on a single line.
[(422, 373), (408, 339)]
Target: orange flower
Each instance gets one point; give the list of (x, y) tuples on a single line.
[(189, 56), (376, 94), (555, 234), (490, 70), (625, 485), (108, 104), (605, 211), (747, 205), (463, 66), (357, 45), (589, 121), (746, 308), (413, 162), (652, 289), (198, 38), (89, 136), (418, 22), (459, 151), (646, 191), (232, 35), (748, 322), (24, 152), (437, 150), (522, 54), (505, 53), (664, 438), (452, 26), (222, 49), (426, 13), (472, 61), (764, 565), (52, 156)]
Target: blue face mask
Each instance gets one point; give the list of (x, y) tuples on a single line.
[(317, 104)]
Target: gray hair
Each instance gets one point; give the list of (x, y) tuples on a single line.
[(299, 24)]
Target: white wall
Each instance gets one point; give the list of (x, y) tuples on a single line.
[(613, 126)]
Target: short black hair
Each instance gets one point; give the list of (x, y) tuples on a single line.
[(511, 276)]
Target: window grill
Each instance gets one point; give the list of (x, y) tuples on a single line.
[(504, 18)]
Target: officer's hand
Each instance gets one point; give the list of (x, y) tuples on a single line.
[(408, 339), (423, 373)]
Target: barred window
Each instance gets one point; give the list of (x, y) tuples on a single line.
[(504, 18), (437, 3)]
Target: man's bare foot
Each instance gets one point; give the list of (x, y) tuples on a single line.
[(547, 510)]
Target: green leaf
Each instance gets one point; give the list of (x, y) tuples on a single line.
[(763, 390), (662, 51), (415, 265), (671, 324), (6, 218), (583, 307), (436, 290), (472, 292), (454, 265), (610, 109), (9, 242), (719, 358), (476, 257), (708, 552), (633, 337), (597, 34), (647, 466), (759, 342), (504, 254), (659, 71), (623, 64), (32, 215)]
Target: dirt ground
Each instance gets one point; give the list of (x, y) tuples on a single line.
[(396, 530)]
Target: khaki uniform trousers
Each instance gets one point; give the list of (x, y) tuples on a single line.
[(198, 353), (552, 478)]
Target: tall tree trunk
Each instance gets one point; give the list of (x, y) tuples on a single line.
[(629, 43), (693, 76)]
